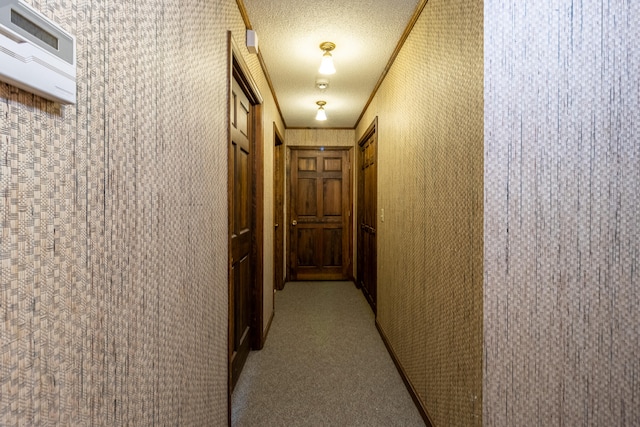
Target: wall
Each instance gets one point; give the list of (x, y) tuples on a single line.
[(320, 137), (430, 245), (113, 249), (562, 229)]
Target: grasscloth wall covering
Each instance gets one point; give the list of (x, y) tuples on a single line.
[(562, 213), (320, 137), (430, 246), (113, 292)]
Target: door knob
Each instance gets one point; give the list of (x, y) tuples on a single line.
[(294, 222), (277, 225)]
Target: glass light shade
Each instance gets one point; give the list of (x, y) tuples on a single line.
[(321, 115), (326, 66)]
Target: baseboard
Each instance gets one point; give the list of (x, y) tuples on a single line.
[(407, 382)]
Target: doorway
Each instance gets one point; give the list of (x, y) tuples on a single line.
[(320, 236), (367, 215), (278, 206), (245, 211)]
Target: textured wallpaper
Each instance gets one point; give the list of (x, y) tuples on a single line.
[(320, 137), (430, 166), (562, 213), (113, 241)]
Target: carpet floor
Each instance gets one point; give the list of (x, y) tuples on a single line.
[(323, 364)]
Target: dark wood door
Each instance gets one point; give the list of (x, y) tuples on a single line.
[(240, 210), (367, 217), (278, 215), (320, 214)]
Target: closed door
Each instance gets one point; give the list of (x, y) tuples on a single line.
[(367, 218), (320, 214), (240, 210), (279, 226)]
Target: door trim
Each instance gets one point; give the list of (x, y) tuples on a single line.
[(236, 67), (278, 190), (371, 132)]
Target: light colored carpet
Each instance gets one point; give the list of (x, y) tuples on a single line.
[(323, 364)]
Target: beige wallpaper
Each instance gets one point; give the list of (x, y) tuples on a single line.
[(320, 137), (113, 243), (430, 245), (562, 224)]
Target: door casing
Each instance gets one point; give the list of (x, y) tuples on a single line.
[(366, 228), (238, 69), (278, 206)]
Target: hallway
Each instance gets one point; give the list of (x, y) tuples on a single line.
[(324, 364), (505, 216)]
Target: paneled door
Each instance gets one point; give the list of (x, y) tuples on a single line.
[(367, 216), (240, 221), (320, 214)]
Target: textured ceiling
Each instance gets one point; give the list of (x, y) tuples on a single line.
[(365, 32)]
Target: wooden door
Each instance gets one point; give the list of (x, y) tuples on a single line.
[(367, 217), (320, 214), (240, 221), (278, 216)]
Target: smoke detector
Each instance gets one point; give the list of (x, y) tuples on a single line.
[(322, 84)]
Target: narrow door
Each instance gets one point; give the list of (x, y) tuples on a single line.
[(320, 214), (240, 210), (367, 217), (278, 216)]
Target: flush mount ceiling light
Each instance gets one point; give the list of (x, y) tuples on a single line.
[(326, 66), (321, 115)]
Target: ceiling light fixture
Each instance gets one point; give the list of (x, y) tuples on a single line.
[(321, 115), (326, 66)]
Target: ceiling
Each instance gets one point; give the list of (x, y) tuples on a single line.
[(366, 33)]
